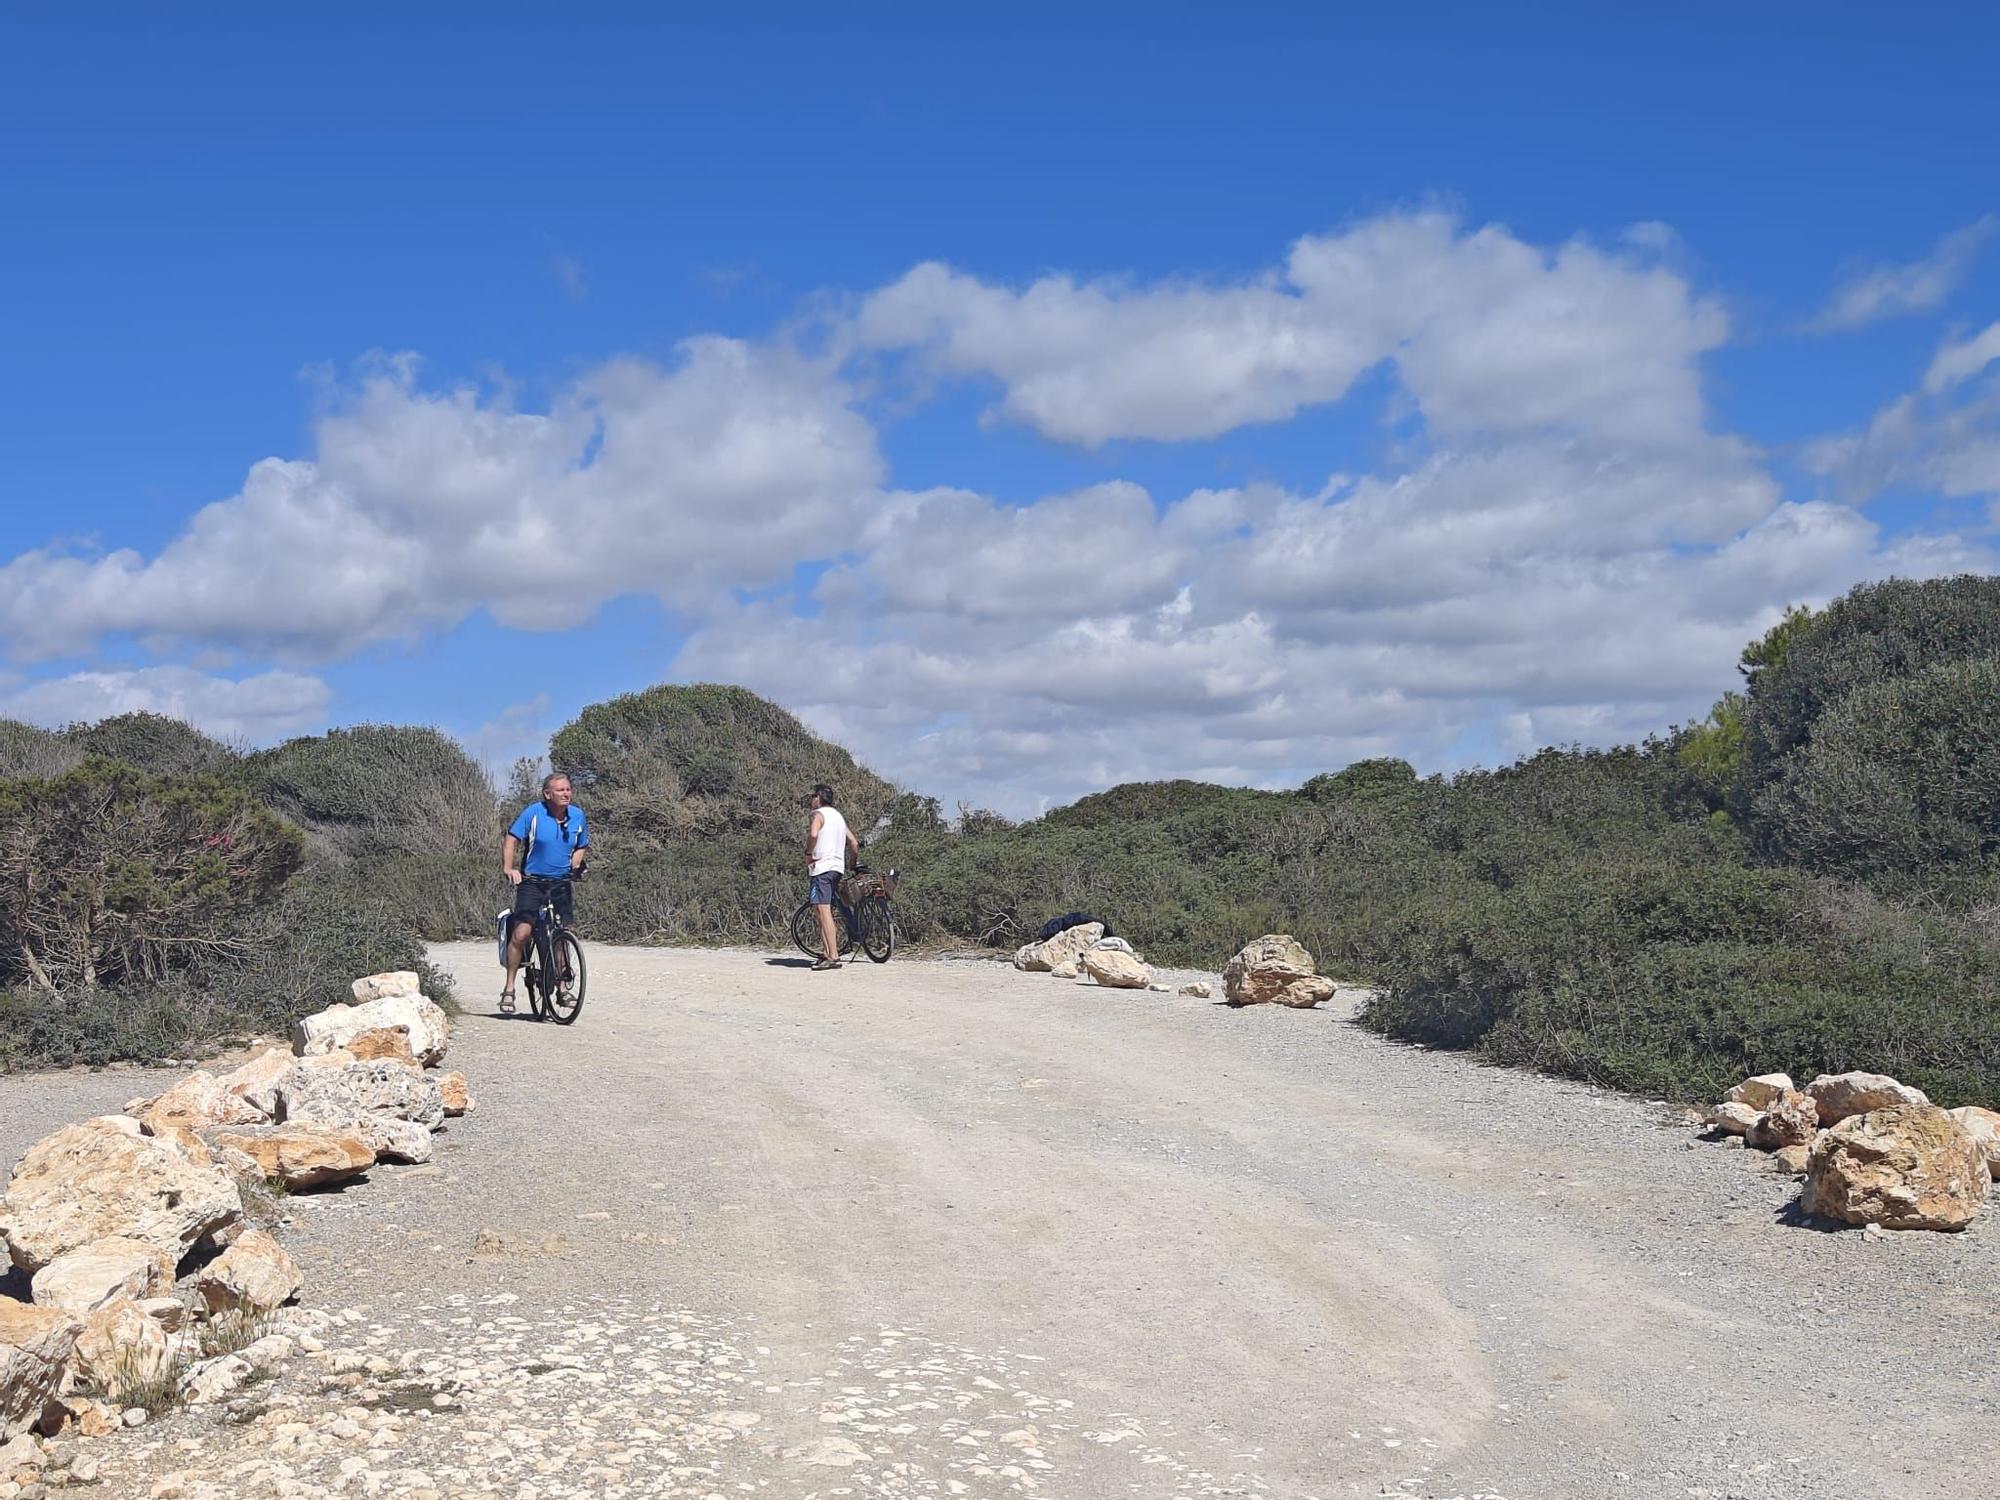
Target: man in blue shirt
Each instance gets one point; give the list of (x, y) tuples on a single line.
[(554, 835)]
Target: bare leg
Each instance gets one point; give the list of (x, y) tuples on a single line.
[(517, 948), (828, 943)]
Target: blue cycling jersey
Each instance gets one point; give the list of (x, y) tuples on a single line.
[(549, 840)]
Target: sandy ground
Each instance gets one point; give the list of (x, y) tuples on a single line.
[(938, 1228)]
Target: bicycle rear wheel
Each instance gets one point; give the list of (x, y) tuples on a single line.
[(565, 996), (878, 928), (805, 930)]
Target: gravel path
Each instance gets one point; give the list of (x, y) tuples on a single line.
[(946, 1229)]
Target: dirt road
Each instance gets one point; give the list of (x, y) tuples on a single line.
[(943, 1228)]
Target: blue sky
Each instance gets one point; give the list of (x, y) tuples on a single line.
[(1070, 398)]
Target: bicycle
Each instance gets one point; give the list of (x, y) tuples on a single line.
[(552, 970), (869, 921)]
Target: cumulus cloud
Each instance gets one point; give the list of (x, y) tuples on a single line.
[(1487, 331), (418, 508), (1871, 293), (1944, 436), (1261, 636), (1561, 548), (256, 709)]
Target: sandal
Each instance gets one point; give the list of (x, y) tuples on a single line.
[(506, 1002), (826, 963)]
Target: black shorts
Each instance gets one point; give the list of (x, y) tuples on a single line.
[(535, 891)]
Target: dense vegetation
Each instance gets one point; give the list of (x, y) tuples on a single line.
[(1809, 879), (695, 796), (164, 894)]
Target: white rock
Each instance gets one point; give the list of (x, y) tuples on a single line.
[(331, 1029), (1115, 969), (1760, 1092), (376, 986), (93, 1275), (209, 1380), (96, 1180), (1062, 948), (254, 1275), (1839, 1095), (36, 1344), (1983, 1125), (1734, 1118)]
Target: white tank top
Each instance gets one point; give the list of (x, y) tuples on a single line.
[(830, 848)]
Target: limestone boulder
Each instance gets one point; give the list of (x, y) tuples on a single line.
[(332, 1029), (1197, 989), (395, 1140), (95, 1180), (121, 1348), (1063, 948), (1069, 968), (384, 1044), (197, 1102), (102, 1272), (380, 986), (1274, 970), (1983, 1125), (1837, 1096), (1911, 1166), (1791, 1159), (252, 1276), (1116, 969), (1733, 1119), (36, 1345), (22, 1459), (299, 1155), (1791, 1119), (456, 1094), (336, 1095), (210, 1380), (1760, 1092), (256, 1082)]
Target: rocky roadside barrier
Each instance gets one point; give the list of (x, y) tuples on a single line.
[(1274, 969), (1869, 1151), (146, 1238)]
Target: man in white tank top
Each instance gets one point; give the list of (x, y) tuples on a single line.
[(828, 842)]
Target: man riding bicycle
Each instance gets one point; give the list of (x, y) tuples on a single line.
[(554, 835)]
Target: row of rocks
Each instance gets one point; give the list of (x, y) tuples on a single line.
[(1873, 1151), (1274, 969), (148, 1281)]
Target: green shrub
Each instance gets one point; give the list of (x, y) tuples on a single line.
[(377, 792), (1899, 784), (152, 742), (29, 753), (112, 874), (1874, 634)]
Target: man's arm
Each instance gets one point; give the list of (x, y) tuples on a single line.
[(812, 832), (853, 848), (510, 862), (576, 854)]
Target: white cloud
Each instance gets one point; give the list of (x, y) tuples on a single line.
[(1943, 437), (259, 709), (1565, 550), (1261, 636), (1961, 361), (419, 508), (1872, 293), (1488, 332)]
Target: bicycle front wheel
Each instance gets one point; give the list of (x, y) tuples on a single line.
[(565, 997), (533, 976), (878, 928)]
